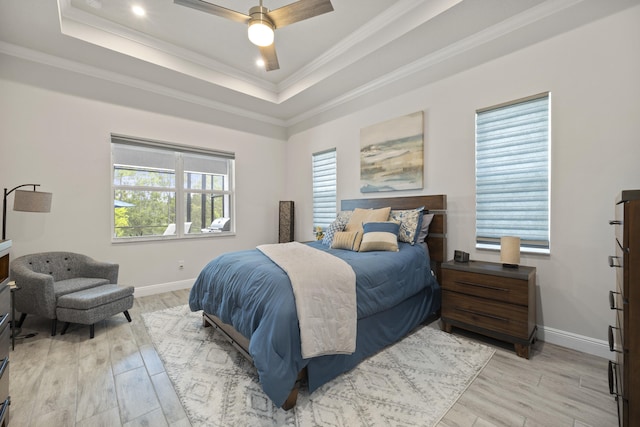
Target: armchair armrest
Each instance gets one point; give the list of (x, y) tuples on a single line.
[(36, 294), (103, 270)]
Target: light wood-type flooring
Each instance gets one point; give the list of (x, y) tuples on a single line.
[(117, 379)]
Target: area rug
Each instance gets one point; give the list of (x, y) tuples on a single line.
[(412, 383)]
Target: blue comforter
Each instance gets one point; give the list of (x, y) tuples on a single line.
[(248, 291)]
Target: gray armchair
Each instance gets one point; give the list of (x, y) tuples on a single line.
[(44, 277)]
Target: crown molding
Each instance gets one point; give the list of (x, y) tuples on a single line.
[(487, 35), (101, 32), (110, 76), (395, 22)]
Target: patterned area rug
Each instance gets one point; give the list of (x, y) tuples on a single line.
[(412, 383)]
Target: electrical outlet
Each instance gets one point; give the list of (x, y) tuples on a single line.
[(180, 264)]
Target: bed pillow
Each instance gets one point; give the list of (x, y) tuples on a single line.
[(349, 240), (332, 229), (424, 228), (361, 216), (380, 236), (344, 216), (409, 223)]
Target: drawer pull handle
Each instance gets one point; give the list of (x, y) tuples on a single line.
[(612, 261), (5, 406), (615, 222), (612, 340), (612, 300), (4, 319), (613, 378), (493, 288), (482, 314), (5, 362), (622, 248)]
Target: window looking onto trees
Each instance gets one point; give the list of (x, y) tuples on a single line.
[(151, 179)]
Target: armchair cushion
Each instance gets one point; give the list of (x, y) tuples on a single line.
[(44, 277)]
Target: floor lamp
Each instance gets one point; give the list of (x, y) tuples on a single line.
[(25, 201)]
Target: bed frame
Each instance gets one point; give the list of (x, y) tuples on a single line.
[(436, 242)]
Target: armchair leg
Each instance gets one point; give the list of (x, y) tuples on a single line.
[(21, 321), (126, 314), (64, 328), (91, 331), (54, 324)]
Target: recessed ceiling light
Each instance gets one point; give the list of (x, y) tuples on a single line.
[(138, 10), (260, 62)]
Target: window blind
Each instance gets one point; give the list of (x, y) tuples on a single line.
[(324, 188), (512, 173)]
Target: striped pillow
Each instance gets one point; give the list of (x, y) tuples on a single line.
[(380, 236), (349, 240)]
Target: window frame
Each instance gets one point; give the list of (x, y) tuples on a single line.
[(526, 245), (178, 152)]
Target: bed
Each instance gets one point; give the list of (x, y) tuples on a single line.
[(248, 298)]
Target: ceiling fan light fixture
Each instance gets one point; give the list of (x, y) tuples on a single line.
[(260, 33), (260, 29)]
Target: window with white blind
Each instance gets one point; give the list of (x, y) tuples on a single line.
[(512, 173), (324, 188), (156, 185)]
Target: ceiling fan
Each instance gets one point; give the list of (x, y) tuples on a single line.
[(262, 21)]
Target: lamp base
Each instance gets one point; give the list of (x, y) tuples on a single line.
[(510, 265)]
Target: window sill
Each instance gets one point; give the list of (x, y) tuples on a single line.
[(540, 251), (147, 239)]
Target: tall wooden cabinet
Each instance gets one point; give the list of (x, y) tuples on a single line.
[(5, 332), (624, 337)]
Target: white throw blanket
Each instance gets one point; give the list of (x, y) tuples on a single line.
[(324, 287)]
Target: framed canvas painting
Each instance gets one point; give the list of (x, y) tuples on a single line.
[(392, 154)]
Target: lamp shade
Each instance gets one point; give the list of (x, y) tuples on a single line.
[(32, 201), (510, 251)]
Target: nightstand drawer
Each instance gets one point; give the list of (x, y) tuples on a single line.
[(492, 315), (505, 289)]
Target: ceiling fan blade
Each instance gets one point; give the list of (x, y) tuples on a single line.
[(269, 57), (215, 10), (298, 11)]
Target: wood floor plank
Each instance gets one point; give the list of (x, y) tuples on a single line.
[(58, 386), (154, 418), (168, 397), (110, 418), (96, 386), (136, 395)]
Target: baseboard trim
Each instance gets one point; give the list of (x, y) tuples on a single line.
[(577, 342), (144, 291)]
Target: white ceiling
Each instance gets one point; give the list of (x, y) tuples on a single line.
[(362, 52)]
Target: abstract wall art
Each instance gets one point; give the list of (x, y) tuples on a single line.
[(392, 154)]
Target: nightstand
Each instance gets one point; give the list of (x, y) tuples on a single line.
[(489, 299)]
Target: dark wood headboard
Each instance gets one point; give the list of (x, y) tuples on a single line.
[(435, 204)]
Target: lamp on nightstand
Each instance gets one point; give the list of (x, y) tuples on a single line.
[(25, 201), (510, 251)]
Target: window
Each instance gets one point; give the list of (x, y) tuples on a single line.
[(324, 188), (157, 185), (512, 173)]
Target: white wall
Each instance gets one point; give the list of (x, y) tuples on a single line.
[(592, 74), (63, 143)]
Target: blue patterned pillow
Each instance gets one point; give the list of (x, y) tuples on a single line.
[(409, 223), (380, 236), (332, 229)]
